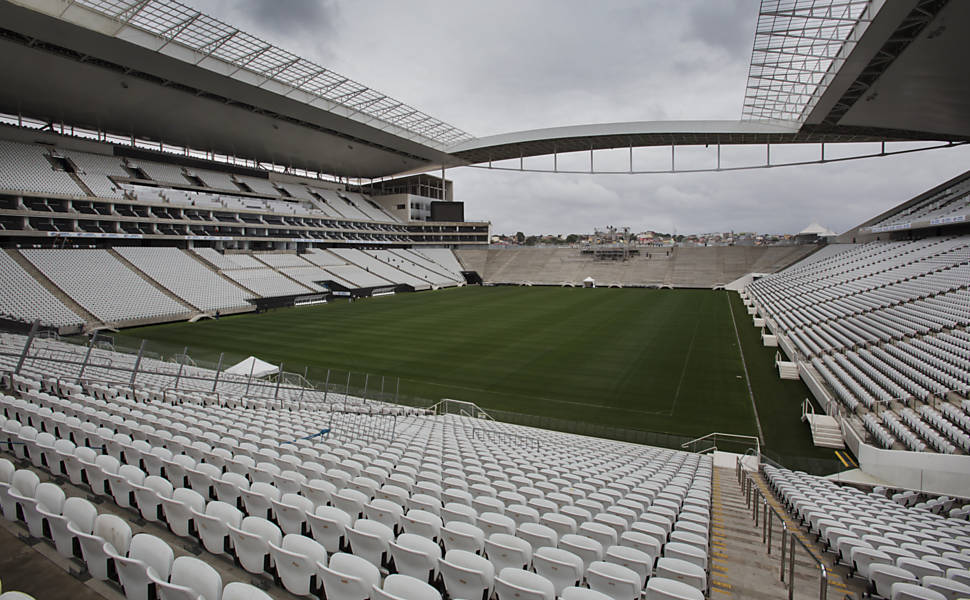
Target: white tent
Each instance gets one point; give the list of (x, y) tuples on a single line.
[(253, 366), (589, 282), (818, 230)]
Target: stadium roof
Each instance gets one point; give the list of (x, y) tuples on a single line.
[(822, 71), (159, 70)]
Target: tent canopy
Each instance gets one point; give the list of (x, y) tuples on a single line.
[(252, 365)]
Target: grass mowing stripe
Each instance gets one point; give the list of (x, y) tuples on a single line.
[(747, 378)]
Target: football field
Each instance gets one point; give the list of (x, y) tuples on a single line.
[(651, 360)]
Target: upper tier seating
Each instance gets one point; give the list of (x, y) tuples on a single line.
[(24, 168), (186, 277), (885, 326), (23, 298), (104, 286)]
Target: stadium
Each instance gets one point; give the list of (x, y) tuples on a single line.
[(251, 347)]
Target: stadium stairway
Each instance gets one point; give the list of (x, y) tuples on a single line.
[(749, 570)]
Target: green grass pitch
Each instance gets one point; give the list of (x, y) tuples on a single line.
[(654, 360)]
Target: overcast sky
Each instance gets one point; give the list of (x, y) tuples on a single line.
[(508, 65)]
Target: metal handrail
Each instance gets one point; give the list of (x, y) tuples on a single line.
[(752, 494), (714, 435)]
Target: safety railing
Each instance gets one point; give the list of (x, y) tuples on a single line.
[(731, 442), (764, 514)]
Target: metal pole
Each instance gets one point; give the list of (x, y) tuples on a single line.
[(27, 344), (279, 378), (791, 566), (134, 371), (768, 529), (178, 375), (347, 388), (764, 521), (326, 387), (87, 355), (784, 532), (823, 592), (397, 389), (215, 380), (366, 381), (252, 368)]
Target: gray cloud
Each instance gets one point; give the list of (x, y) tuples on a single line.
[(506, 65)]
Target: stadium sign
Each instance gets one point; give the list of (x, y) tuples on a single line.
[(93, 234)]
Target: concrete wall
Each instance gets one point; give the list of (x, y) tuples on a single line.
[(679, 267)]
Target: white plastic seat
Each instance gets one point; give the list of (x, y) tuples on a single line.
[(681, 570), (912, 591), (120, 484), (586, 548), (236, 590), (919, 567), (506, 550), (74, 464), (296, 563), (108, 529), (950, 588), (200, 477), (631, 558), (416, 556), (178, 509), (384, 511), (616, 581), (862, 558), (328, 525), (319, 491), (351, 502), (458, 511), (884, 576), (370, 540), (403, 587), (652, 529), (191, 579), (661, 588), (48, 499), (493, 522), (78, 511), (560, 523), (561, 567), (23, 486), (467, 575), (145, 552), (421, 522), (521, 513), (692, 539), (257, 499), (519, 584), (228, 487), (582, 593), (459, 535), (251, 542), (290, 512), (213, 525), (348, 577), (149, 495), (691, 554), (538, 535)]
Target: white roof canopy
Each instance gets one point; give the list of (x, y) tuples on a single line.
[(253, 366)]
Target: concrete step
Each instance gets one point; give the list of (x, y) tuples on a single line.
[(826, 432)]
